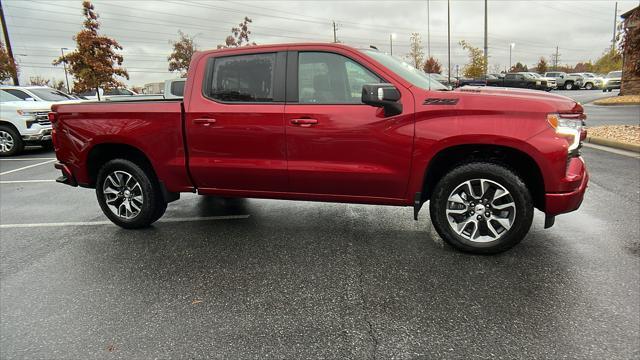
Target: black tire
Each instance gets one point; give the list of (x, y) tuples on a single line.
[(568, 85), (153, 204), (8, 133), (493, 172), (47, 145)]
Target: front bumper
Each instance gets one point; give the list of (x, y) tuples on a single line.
[(43, 134), (560, 203)]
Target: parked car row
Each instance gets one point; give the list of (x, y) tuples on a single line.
[(531, 80), (24, 109)]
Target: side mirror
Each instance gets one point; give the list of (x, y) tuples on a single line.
[(382, 95)]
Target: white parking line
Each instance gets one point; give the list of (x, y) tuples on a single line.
[(27, 159), (91, 223), (27, 167), (25, 181)]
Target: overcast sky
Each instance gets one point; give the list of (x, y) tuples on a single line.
[(581, 29)]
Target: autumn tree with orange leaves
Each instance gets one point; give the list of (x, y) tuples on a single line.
[(432, 66), (94, 63), (180, 57), (239, 35)]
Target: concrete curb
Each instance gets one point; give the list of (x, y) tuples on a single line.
[(613, 104), (613, 143)]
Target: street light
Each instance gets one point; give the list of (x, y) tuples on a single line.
[(64, 63), (511, 46), (391, 37)]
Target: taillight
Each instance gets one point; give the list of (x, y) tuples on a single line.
[(569, 126), (53, 117)]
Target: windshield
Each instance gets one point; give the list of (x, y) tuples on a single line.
[(5, 96), (614, 74), (48, 94), (406, 71)]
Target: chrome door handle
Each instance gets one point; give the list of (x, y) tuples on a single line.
[(204, 122), (306, 122)]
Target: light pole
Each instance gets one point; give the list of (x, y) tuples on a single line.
[(511, 46), (64, 63), (391, 37)]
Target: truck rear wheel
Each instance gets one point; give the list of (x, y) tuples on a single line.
[(482, 208), (568, 85), (10, 141), (129, 194)]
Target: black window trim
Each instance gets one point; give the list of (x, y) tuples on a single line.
[(292, 76), (278, 79)]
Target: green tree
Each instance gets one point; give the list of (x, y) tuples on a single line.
[(183, 50), (95, 62), (432, 66), (542, 66), (239, 35), (8, 66), (416, 52), (610, 60), (476, 67)]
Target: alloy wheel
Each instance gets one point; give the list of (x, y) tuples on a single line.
[(480, 210), (6, 142), (123, 194)]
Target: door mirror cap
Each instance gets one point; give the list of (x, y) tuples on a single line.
[(383, 95)]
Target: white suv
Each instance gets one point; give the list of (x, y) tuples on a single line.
[(22, 122)]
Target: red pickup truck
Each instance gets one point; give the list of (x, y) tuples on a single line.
[(327, 122)]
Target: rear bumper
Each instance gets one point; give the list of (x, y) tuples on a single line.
[(560, 203), (67, 175)]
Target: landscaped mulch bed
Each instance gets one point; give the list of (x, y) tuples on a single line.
[(619, 100), (629, 134)]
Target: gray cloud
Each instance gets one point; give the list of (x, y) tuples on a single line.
[(581, 29)]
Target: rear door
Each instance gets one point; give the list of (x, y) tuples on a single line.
[(336, 145), (235, 130)]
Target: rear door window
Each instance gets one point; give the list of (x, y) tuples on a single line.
[(242, 78)]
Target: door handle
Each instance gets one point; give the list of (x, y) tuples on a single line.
[(306, 122), (204, 122)]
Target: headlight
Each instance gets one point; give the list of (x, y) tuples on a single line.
[(25, 113), (570, 127), (537, 82)]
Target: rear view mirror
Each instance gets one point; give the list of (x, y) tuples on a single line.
[(382, 95)]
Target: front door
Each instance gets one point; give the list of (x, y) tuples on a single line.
[(336, 145), (235, 128)]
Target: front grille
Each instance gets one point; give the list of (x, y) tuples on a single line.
[(42, 118)]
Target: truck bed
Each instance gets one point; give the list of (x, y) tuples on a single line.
[(154, 127)]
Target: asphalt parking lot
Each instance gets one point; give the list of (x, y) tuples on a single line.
[(236, 278)]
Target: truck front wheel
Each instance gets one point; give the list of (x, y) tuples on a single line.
[(481, 208), (129, 194), (10, 141)]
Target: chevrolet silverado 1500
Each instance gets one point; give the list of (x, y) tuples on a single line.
[(327, 122)]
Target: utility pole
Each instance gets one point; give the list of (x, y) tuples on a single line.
[(7, 41), (556, 59), (64, 63), (615, 23), (449, 40), (335, 37), (391, 37), (486, 41), (428, 32)]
